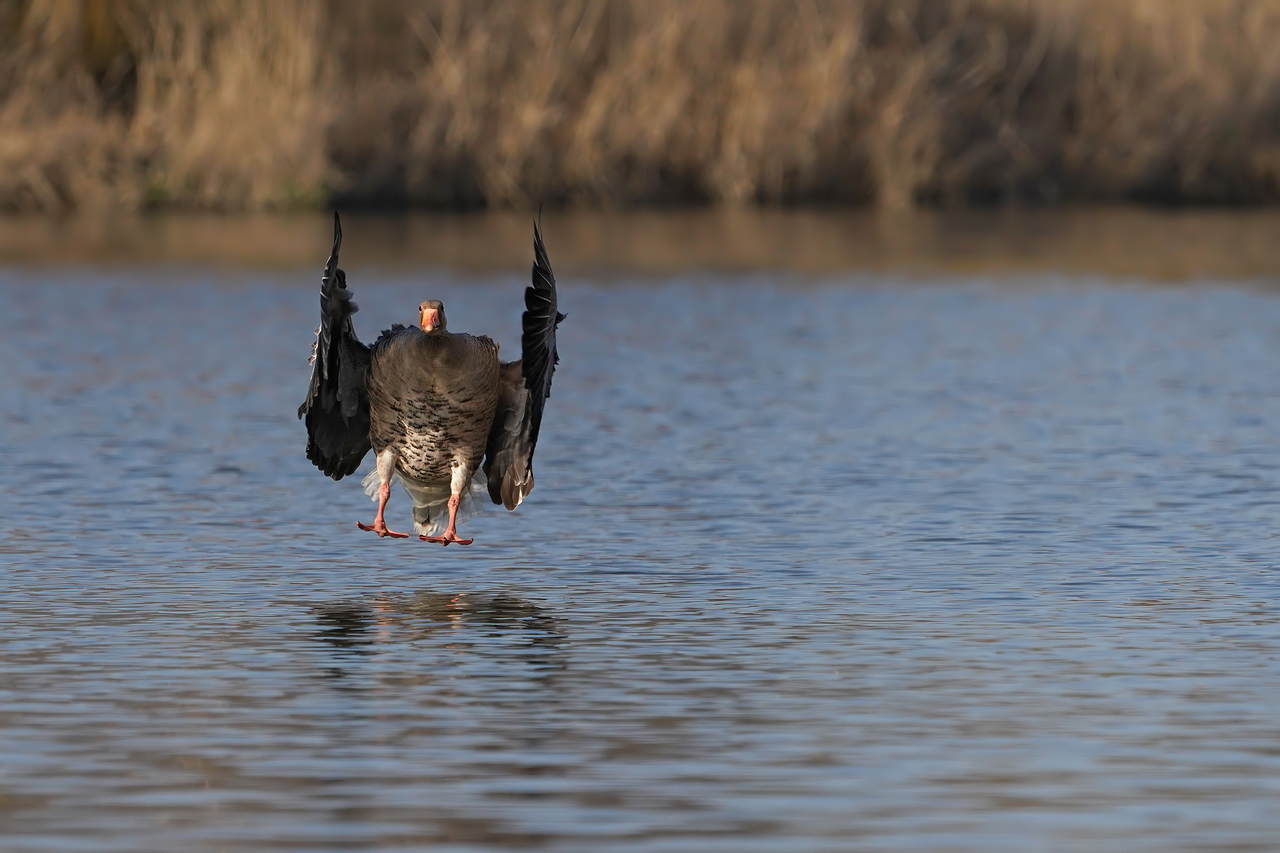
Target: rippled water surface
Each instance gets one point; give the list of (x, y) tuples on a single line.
[(853, 565)]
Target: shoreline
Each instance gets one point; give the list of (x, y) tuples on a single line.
[(1159, 244)]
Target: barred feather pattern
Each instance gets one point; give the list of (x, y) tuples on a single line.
[(432, 400)]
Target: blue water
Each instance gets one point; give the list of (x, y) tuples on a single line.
[(861, 564)]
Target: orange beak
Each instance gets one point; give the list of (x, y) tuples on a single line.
[(430, 319)]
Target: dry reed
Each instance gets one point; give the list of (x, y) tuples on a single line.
[(253, 104)]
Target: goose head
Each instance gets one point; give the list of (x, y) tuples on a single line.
[(431, 316)]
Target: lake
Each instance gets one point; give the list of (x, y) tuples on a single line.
[(938, 557)]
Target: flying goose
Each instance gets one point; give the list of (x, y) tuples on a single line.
[(430, 403)]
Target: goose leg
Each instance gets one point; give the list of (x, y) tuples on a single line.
[(461, 476), (386, 465)]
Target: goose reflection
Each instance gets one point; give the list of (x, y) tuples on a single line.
[(485, 622), (346, 627)]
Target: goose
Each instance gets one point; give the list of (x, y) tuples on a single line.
[(432, 404)]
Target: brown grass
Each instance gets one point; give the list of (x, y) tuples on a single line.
[(253, 104)]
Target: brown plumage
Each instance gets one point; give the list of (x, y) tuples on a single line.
[(431, 403)]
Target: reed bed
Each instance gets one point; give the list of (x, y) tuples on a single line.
[(270, 104)]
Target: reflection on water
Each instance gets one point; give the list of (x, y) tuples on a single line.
[(959, 566), (1162, 244), (347, 627), (505, 624)]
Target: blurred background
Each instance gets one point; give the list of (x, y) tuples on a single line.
[(243, 105), (912, 111), (910, 480)]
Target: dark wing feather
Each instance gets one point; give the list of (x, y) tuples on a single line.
[(525, 387), (337, 404)]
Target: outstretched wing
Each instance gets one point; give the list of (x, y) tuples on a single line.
[(525, 387), (337, 404)]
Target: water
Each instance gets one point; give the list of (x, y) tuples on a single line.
[(859, 563)]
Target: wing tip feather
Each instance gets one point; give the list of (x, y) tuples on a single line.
[(514, 490)]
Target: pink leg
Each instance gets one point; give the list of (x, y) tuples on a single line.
[(451, 533), (379, 525)]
